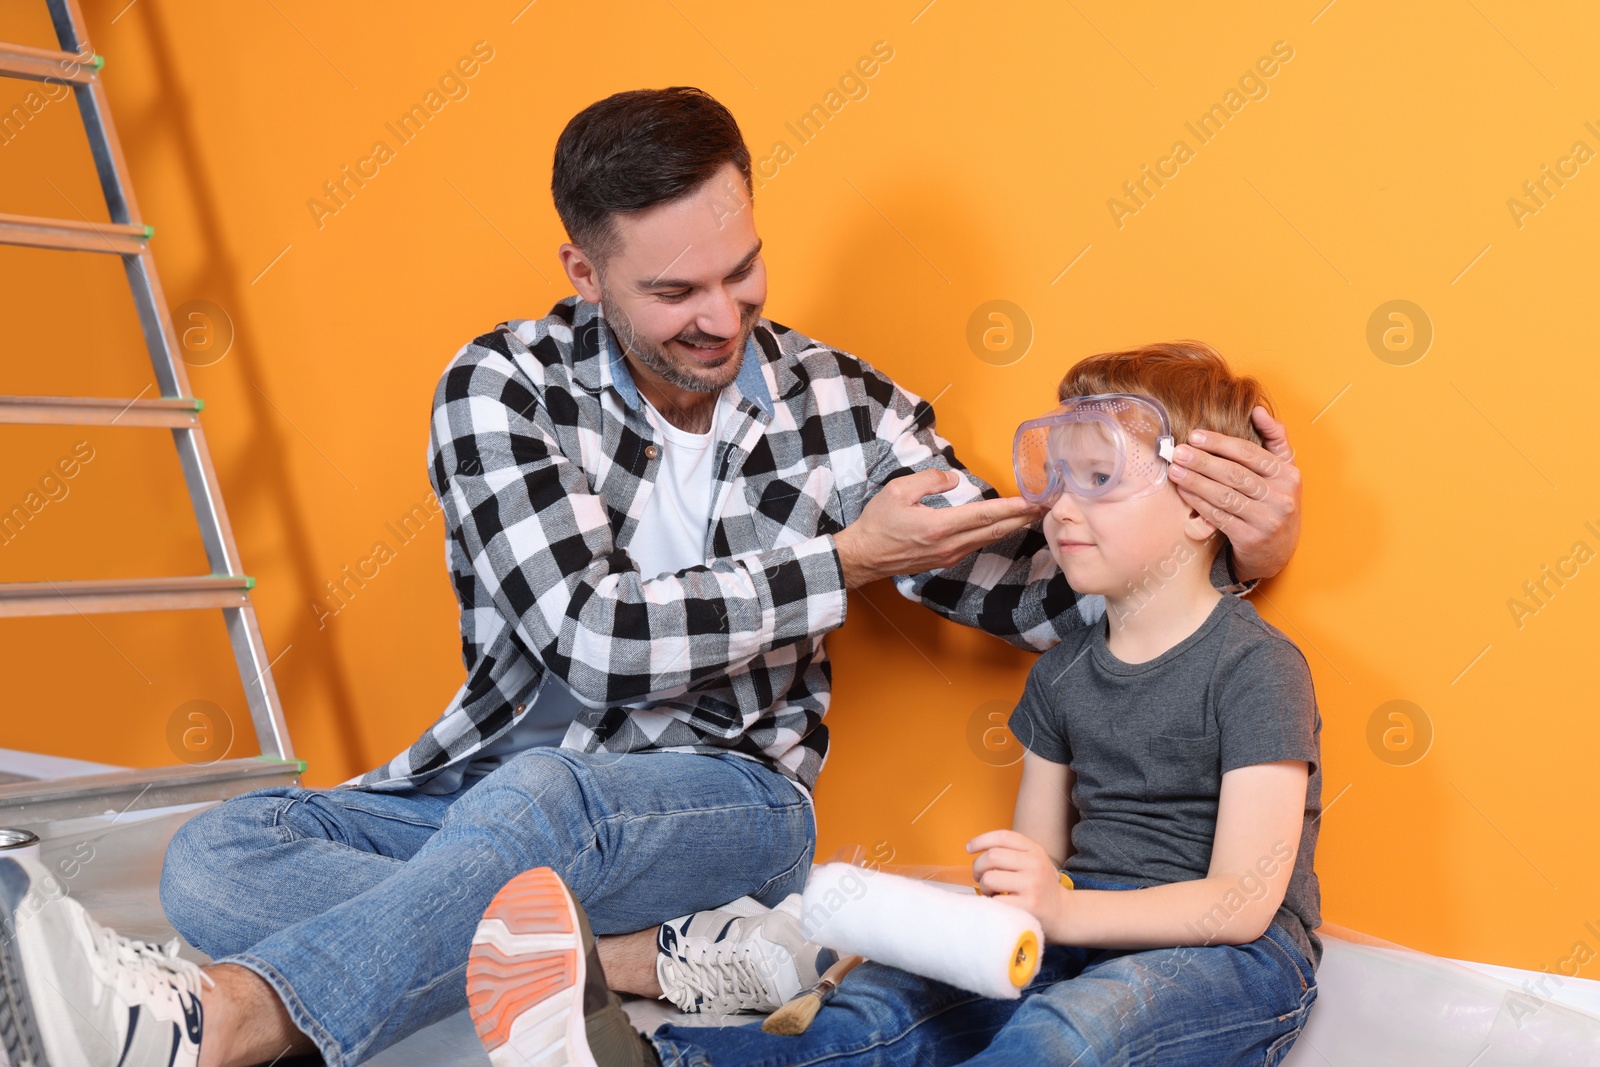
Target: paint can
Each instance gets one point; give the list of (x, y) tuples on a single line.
[(18, 844)]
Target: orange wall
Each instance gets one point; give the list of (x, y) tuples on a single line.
[(977, 167)]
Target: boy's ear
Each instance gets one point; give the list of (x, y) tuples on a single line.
[(1198, 528)]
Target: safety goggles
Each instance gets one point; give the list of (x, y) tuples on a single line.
[(1105, 448)]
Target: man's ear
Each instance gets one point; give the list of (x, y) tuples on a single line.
[(581, 272)]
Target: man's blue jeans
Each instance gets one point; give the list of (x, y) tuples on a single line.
[(1175, 1007), (359, 908)]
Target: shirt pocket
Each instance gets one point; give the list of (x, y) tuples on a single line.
[(792, 509), (1183, 768)]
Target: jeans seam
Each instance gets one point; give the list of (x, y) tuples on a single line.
[(680, 813), (285, 832), (1189, 1038), (328, 797), (1287, 1035), (898, 1037), (1288, 1038), (411, 994), (571, 865), (404, 822), (787, 873), (364, 1049), (605, 822), (292, 1002), (877, 1043), (1285, 953)]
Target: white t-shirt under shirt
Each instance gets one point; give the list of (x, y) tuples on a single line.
[(670, 537), (677, 514)]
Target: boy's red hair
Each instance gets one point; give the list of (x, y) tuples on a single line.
[(1190, 378)]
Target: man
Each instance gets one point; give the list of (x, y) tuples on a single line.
[(657, 501)]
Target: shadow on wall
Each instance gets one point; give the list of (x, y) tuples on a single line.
[(891, 338), (261, 495)]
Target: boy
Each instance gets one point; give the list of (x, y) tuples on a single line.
[(1174, 748)]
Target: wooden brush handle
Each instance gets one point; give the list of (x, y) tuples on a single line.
[(835, 974)]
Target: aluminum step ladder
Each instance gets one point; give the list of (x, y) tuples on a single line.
[(227, 586)]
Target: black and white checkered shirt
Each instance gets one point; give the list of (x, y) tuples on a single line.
[(542, 458)]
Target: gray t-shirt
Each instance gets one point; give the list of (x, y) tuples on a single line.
[(1148, 744)]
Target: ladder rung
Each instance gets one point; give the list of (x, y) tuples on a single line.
[(128, 594), (42, 64), (30, 803), (69, 236), (100, 411), (125, 236)]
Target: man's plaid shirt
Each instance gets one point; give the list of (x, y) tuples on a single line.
[(541, 457)]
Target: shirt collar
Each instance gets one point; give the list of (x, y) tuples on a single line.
[(750, 382)]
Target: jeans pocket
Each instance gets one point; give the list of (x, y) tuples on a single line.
[(793, 879), (1299, 966), (1296, 1021), (428, 814)]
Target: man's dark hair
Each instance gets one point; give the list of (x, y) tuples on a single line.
[(635, 150)]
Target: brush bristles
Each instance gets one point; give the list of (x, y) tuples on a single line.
[(795, 1017)]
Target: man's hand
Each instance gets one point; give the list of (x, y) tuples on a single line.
[(1251, 494), (1017, 869), (896, 534)]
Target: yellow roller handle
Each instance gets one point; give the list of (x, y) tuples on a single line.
[(1025, 959)]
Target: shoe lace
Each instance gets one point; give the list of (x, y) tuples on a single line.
[(727, 980), (140, 969)]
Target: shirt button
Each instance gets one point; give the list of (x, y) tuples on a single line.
[(651, 451), (519, 708)]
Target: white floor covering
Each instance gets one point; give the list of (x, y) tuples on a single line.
[(1378, 1003)]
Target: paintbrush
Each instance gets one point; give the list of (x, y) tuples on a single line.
[(794, 1017)]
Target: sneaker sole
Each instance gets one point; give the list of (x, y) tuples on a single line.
[(19, 1032), (526, 973)]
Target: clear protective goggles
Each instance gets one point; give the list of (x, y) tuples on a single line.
[(1106, 447)]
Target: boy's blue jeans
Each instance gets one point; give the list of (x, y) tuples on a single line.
[(1173, 1007), (359, 908)]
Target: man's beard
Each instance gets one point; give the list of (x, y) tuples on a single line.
[(705, 378)]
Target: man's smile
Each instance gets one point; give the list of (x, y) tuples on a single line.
[(706, 354)]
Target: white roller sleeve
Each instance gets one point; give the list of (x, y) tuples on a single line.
[(969, 941)]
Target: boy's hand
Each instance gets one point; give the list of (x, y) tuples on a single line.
[(1018, 871)]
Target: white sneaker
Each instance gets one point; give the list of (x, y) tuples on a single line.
[(740, 957), (75, 994)]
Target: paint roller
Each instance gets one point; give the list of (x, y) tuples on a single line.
[(972, 942)]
